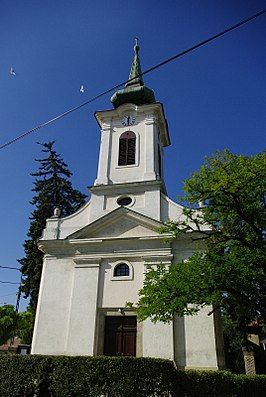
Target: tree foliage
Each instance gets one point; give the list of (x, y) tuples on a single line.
[(53, 189), (14, 324), (226, 209)]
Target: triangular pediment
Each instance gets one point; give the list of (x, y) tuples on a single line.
[(120, 223)]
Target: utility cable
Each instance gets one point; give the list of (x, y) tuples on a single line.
[(8, 282), (202, 43), (125, 82), (8, 267)]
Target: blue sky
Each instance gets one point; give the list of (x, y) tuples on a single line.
[(214, 97)]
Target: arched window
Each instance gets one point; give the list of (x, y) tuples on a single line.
[(121, 270), (127, 148)]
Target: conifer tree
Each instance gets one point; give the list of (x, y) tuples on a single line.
[(53, 190)]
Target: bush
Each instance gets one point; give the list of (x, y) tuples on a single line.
[(111, 376), (219, 384), (24, 376), (62, 376)]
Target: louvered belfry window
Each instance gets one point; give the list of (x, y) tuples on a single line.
[(127, 148)]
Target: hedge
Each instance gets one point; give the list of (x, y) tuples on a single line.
[(21, 376), (62, 376)]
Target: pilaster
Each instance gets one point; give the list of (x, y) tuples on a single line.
[(150, 173), (104, 156), (83, 309)]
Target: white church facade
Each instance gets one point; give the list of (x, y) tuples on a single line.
[(95, 259)]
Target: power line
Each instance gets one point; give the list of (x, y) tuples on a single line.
[(142, 74), (8, 267), (203, 42), (8, 282)]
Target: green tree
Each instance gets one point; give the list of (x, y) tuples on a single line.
[(14, 324), (226, 211), (53, 190)]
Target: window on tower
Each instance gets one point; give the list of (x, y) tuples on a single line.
[(127, 148)]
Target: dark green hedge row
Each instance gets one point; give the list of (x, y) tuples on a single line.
[(219, 384), (50, 376)]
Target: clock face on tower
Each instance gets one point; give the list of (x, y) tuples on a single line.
[(128, 120)]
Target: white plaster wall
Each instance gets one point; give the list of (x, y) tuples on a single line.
[(158, 340), (83, 310), (170, 209), (147, 201), (124, 228), (145, 167), (50, 330), (195, 343), (65, 319), (97, 207), (115, 293), (152, 204), (111, 200), (180, 342), (195, 339), (104, 154), (63, 227)]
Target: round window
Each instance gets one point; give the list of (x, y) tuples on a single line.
[(123, 201)]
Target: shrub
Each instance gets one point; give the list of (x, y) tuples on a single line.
[(62, 376), (111, 376), (24, 376), (219, 384)]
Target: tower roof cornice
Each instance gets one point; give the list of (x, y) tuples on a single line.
[(151, 108)]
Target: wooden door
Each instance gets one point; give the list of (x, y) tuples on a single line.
[(120, 336)]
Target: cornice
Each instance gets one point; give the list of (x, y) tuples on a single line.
[(105, 116), (128, 185)]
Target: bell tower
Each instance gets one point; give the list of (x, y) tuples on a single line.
[(133, 134)]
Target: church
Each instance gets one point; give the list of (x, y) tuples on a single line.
[(95, 259)]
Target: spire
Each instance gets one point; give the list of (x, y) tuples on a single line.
[(135, 90), (135, 71)]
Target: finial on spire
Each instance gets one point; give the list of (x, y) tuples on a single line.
[(136, 47)]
